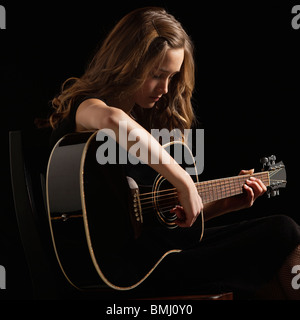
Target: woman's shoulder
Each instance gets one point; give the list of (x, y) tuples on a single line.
[(68, 124)]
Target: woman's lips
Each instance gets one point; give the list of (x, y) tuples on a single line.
[(155, 98)]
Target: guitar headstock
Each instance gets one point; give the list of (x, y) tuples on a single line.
[(277, 175)]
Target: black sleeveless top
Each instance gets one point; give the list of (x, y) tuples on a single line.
[(68, 125)]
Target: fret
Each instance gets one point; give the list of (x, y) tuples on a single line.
[(213, 190)]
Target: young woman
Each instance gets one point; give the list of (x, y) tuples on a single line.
[(143, 74)]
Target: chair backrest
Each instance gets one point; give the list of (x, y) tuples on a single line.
[(29, 154)]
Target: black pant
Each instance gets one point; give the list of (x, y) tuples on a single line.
[(240, 257)]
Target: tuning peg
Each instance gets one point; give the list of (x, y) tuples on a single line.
[(273, 159), (264, 161), (273, 193), (267, 162)]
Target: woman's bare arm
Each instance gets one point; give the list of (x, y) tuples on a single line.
[(94, 114)]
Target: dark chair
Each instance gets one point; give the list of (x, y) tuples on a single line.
[(29, 153), (28, 161)]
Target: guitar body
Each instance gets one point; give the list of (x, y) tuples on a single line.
[(103, 233), (111, 223)]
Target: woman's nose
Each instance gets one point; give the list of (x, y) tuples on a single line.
[(163, 86)]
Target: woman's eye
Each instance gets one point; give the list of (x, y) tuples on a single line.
[(156, 76)]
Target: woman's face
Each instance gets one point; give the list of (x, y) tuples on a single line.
[(158, 80)]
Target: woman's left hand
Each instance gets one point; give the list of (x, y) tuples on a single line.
[(253, 188)]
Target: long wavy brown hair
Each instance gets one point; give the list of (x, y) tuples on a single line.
[(124, 61)]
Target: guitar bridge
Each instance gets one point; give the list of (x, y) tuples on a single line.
[(137, 206), (135, 209)]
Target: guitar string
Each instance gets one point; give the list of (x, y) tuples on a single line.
[(216, 182), (211, 182), (224, 184), (210, 193), (220, 188), (207, 195), (272, 173), (170, 202)]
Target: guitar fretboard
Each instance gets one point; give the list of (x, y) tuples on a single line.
[(227, 187)]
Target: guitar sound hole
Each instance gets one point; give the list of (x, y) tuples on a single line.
[(165, 200)]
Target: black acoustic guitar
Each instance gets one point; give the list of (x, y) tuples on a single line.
[(111, 224)]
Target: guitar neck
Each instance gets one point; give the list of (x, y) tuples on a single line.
[(227, 187)]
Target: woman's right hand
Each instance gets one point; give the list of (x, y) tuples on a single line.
[(190, 204)]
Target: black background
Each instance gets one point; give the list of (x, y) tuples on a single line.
[(247, 85)]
